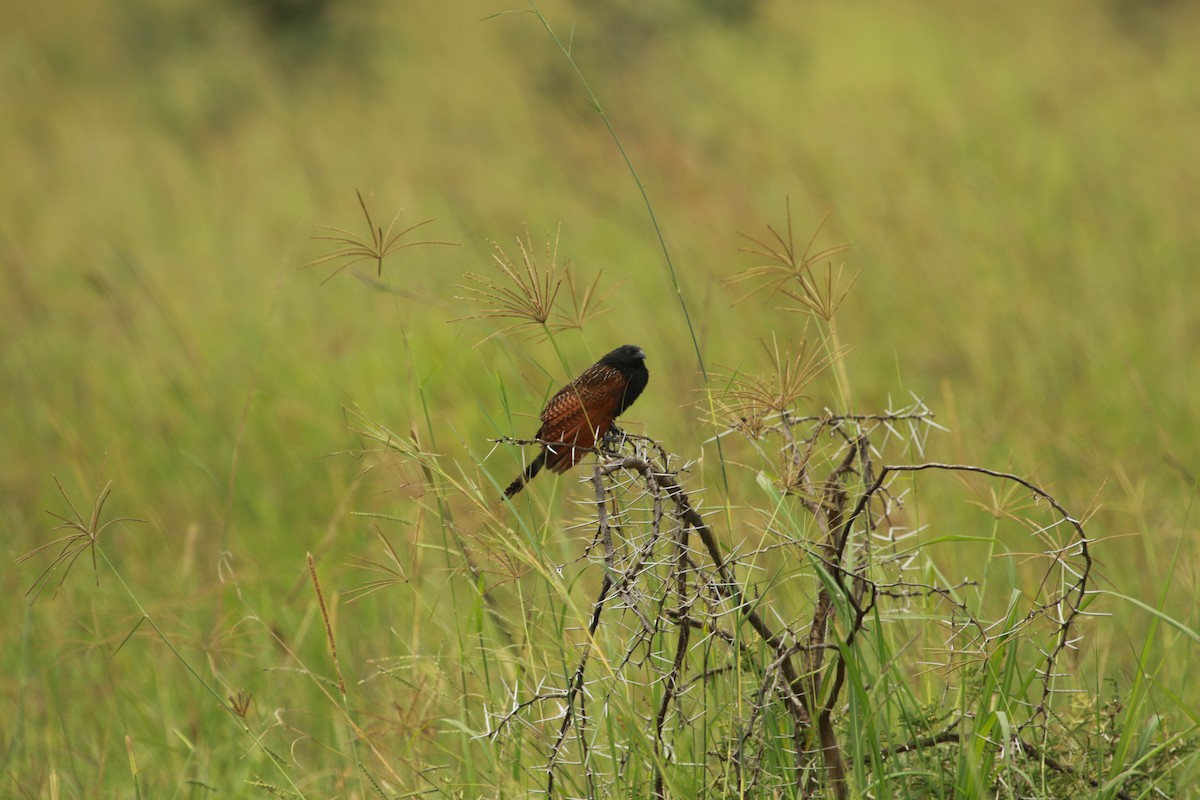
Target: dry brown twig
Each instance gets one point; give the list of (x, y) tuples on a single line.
[(699, 591)]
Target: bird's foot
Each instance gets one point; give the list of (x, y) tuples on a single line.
[(613, 438)]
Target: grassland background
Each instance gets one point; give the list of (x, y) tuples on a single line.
[(1019, 182)]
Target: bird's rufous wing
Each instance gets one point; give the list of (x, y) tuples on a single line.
[(578, 415)]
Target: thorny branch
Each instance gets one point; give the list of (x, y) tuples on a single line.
[(685, 589)]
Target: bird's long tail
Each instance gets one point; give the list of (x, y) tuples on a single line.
[(526, 476)]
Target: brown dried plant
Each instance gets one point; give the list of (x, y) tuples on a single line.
[(390, 570), (329, 636), (239, 703), (793, 275), (749, 401), (84, 535), (381, 244), (668, 579), (529, 292)]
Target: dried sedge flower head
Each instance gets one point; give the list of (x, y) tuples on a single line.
[(529, 292), (381, 244), (793, 275), (750, 402), (83, 534)]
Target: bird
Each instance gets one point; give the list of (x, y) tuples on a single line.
[(581, 412)]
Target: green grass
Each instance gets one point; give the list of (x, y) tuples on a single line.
[(1018, 186)]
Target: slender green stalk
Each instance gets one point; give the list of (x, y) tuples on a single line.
[(594, 101)]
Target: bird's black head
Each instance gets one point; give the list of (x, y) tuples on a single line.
[(625, 357), (630, 361)]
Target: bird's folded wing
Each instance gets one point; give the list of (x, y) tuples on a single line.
[(578, 414)]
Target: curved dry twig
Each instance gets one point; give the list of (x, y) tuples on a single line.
[(701, 593)]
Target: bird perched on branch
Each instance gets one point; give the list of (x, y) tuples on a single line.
[(583, 411)]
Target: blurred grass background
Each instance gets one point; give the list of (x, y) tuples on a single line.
[(1019, 185)]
